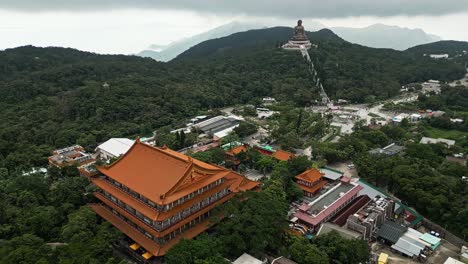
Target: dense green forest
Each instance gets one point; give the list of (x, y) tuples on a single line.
[(35, 210)]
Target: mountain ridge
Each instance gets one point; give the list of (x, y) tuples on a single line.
[(377, 36)]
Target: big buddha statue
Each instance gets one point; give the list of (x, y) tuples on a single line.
[(299, 32)]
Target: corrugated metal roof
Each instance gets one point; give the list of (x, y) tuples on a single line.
[(408, 246), (391, 231), (331, 174), (116, 146), (433, 240)]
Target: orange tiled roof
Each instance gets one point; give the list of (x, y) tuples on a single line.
[(236, 150), (311, 175), (162, 175), (282, 155)]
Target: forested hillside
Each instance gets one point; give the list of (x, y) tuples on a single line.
[(349, 71), (54, 97), (450, 47)]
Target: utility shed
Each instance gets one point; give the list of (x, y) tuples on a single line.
[(391, 231), (433, 240), (408, 247)]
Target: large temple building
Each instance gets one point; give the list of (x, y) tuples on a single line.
[(156, 196)]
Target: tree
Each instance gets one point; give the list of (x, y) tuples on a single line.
[(25, 249), (203, 249), (245, 129), (341, 250), (302, 251), (246, 231), (299, 164), (182, 139), (266, 164)]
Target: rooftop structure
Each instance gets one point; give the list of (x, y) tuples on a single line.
[(456, 120), (331, 174), (268, 100), (431, 86), (439, 56), (432, 240), (428, 140), (283, 260), (341, 217), (415, 118), (74, 155), (391, 232), (218, 123), (411, 245), (248, 259), (327, 205), (225, 132), (263, 113), (156, 196), (232, 153), (114, 147), (310, 181), (451, 260), (367, 220), (399, 118), (389, 150)]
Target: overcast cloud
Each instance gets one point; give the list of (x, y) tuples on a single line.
[(277, 8)]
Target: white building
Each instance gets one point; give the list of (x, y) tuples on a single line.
[(415, 118), (114, 147), (439, 56), (456, 120), (428, 140), (248, 259), (268, 100)]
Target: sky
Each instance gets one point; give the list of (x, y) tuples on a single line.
[(129, 26)]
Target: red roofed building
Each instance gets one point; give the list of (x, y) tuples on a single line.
[(327, 205), (156, 196), (310, 181), (282, 155), (231, 154)]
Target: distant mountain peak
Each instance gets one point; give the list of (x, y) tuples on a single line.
[(385, 36)]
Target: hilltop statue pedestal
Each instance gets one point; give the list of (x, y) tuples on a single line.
[(299, 39)]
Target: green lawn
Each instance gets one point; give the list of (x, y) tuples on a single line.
[(442, 133)]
